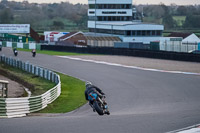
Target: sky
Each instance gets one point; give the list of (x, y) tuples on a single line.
[(137, 2)]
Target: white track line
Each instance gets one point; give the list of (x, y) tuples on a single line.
[(134, 67)]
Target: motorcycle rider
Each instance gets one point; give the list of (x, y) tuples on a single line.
[(33, 52), (15, 51), (91, 88)]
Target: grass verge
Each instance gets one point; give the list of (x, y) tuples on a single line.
[(48, 52), (72, 91), (36, 84), (72, 96)]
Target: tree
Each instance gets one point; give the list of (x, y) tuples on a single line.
[(181, 10), (168, 20), (192, 21), (6, 16), (58, 25)]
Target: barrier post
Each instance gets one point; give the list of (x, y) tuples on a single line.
[(4, 88)]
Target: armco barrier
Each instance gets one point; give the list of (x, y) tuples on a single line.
[(19, 107)]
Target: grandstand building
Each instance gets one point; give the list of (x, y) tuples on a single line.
[(116, 18)]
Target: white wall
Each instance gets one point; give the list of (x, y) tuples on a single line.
[(145, 40), (19, 45), (32, 46), (128, 26), (91, 24), (142, 27), (9, 44)]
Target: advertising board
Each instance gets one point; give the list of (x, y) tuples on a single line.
[(14, 28)]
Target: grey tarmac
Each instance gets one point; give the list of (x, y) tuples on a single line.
[(140, 101)]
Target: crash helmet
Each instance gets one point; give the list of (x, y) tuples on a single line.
[(87, 84)]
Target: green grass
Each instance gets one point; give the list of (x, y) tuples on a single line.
[(72, 90), (48, 52), (72, 96), (166, 34), (40, 85), (180, 20), (152, 20)]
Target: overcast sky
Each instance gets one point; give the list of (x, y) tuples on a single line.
[(178, 2)]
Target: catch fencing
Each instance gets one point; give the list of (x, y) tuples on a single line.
[(19, 107)]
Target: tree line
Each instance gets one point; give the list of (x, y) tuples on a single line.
[(188, 15), (56, 16), (66, 16)]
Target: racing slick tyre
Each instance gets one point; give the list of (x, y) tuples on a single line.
[(98, 108)]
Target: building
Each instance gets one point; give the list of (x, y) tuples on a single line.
[(51, 37), (187, 38), (74, 39), (116, 18), (102, 41), (180, 42)]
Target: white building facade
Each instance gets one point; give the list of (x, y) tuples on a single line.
[(115, 17)]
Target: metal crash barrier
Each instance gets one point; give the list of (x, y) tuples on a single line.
[(19, 107)]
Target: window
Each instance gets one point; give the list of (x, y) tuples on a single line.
[(153, 33), (100, 6), (139, 33), (148, 33), (128, 6), (158, 33), (133, 33), (92, 18), (91, 30), (105, 6), (128, 33), (144, 33), (118, 18), (100, 18), (104, 18), (91, 12), (118, 6), (113, 18), (118, 32), (91, 6)]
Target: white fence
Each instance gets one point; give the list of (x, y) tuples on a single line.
[(18, 107), (178, 46)]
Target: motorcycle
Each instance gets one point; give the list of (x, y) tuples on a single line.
[(99, 103), (34, 53), (15, 52)]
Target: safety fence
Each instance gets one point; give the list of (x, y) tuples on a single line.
[(21, 45), (19, 107), (127, 52), (179, 46)]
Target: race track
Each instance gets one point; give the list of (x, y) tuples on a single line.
[(140, 101)]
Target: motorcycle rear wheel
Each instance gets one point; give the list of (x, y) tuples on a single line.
[(98, 108)]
